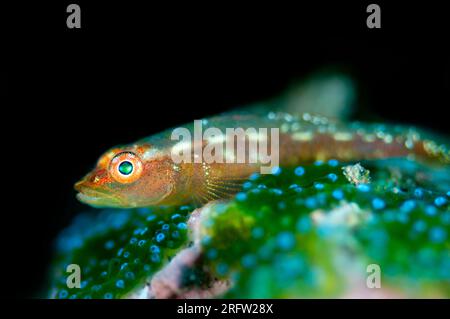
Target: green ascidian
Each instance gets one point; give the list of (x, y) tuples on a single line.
[(308, 232), (118, 250)]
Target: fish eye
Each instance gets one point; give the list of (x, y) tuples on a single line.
[(126, 167)]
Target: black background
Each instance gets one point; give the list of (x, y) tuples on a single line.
[(133, 70)]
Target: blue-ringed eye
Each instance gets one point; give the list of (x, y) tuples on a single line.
[(126, 168)]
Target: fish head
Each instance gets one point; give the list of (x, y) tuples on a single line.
[(128, 176)]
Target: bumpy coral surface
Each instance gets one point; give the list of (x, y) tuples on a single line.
[(307, 231), (118, 249)]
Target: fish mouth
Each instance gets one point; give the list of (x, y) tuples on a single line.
[(94, 197)]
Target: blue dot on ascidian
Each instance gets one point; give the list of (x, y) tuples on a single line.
[(276, 170), (154, 249), (277, 191), (129, 275), (299, 171), (109, 244), (311, 202), (141, 243), (182, 226), (440, 201), (248, 261), (338, 194), (257, 232), (155, 258), (282, 205), (318, 186), (363, 188), (222, 269), (304, 224), (419, 226), (120, 284), (286, 240), (332, 177), (418, 192), (408, 206), (176, 234), (247, 185), (206, 240), (211, 253), (63, 294), (333, 162), (445, 218), (437, 234), (378, 203), (430, 210), (160, 237), (241, 197)]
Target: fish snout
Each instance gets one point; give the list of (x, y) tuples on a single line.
[(79, 185), (83, 185), (91, 181)]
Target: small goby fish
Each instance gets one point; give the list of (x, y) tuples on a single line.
[(143, 173)]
